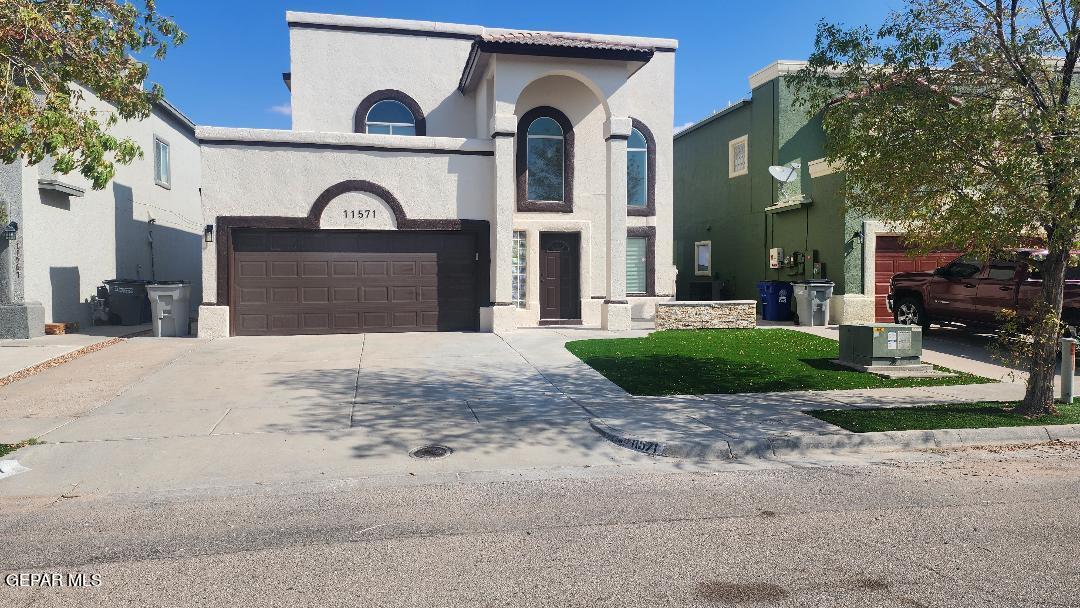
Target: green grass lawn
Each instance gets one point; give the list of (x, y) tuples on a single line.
[(949, 416), (702, 361)]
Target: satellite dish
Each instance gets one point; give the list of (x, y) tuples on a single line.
[(785, 173)]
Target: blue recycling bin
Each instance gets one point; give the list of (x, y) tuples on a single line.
[(775, 300)]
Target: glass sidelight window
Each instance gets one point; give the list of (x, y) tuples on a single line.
[(636, 265), (518, 265)]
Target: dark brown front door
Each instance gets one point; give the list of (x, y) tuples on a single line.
[(560, 298), (334, 281), (550, 262)]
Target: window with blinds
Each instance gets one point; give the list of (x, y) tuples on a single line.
[(636, 252)]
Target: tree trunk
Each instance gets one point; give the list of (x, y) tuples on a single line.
[(1045, 333)]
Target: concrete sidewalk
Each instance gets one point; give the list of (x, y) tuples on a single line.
[(17, 355)]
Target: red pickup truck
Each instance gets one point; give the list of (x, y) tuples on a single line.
[(973, 293)]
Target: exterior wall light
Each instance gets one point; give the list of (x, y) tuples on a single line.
[(9, 231), (208, 233)]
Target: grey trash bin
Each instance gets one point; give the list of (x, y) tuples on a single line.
[(812, 301), (170, 307)]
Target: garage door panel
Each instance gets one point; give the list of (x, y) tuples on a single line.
[(252, 295), (376, 294), (346, 295), (285, 321), (316, 269), (312, 282), (254, 269), (343, 269), (284, 270)]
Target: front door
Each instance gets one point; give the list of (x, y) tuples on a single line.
[(560, 301)]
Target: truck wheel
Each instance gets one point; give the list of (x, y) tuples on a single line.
[(910, 311)]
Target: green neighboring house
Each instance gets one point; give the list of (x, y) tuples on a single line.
[(730, 213)]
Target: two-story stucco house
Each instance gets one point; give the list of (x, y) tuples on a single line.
[(445, 177)]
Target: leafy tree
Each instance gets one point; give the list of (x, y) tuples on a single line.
[(47, 48), (957, 120)]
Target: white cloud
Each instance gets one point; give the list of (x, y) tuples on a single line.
[(283, 109), (683, 126)]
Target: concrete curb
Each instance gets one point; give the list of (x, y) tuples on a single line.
[(714, 446)]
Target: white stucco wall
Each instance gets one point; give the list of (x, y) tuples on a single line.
[(254, 179), (333, 71), (72, 244)]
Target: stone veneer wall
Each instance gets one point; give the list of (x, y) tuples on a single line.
[(730, 314)]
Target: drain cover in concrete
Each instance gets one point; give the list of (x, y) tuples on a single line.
[(431, 451)]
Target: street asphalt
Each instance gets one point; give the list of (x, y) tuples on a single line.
[(973, 527)]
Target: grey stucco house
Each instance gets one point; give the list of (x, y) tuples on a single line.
[(444, 177), (64, 238)]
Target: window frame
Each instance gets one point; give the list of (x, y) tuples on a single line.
[(160, 142), (743, 140), (649, 208), (524, 204), (360, 116), (649, 234), (368, 122), (697, 270), (529, 137)]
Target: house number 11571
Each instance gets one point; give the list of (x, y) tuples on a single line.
[(359, 214)]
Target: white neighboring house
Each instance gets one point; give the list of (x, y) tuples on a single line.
[(146, 224), (445, 177)]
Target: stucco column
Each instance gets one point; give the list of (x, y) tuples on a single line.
[(19, 319), (500, 317), (615, 312)]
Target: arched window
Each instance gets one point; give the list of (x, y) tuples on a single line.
[(389, 112), (545, 161), (637, 170), (640, 170), (390, 117)]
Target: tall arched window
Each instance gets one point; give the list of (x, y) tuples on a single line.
[(390, 117), (545, 161), (640, 170), (637, 170)]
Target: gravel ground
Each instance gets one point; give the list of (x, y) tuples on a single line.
[(946, 528)]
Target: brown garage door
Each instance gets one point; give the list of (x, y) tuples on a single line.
[(892, 258), (330, 281)]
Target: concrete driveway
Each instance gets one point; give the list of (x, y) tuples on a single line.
[(153, 414)]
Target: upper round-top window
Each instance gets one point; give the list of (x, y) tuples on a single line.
[(390, 117)]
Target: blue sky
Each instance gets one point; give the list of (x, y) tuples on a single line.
[(228, 73)]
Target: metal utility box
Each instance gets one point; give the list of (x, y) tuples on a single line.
[(880, 344), (170, 302), (776, 257), (812, 301)]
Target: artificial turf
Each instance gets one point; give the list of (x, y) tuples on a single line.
[(946, 416), (705, 361)]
